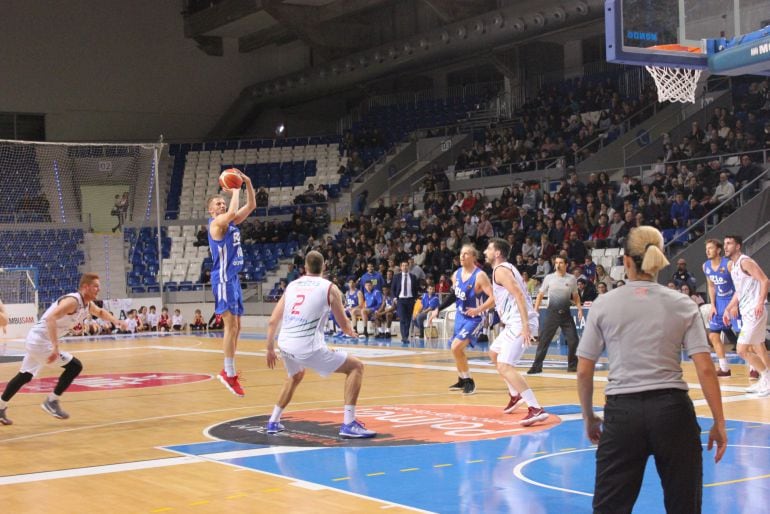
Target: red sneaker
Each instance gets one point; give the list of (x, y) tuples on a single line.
[(513, 404), (533, 416), (753, 375), (231, 383), (721, 373)]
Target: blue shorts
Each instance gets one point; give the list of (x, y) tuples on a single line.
[(467, 328), (228, 297), (717, 325)]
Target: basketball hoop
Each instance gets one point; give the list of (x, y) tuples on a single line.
[(675, 84)]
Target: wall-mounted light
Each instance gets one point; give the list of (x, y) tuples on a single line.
[(363, 61), (518, 25), (424, 44), (445, 37), (408, 48), (498, 20), (538, 19), (462, 32), (479, 27), (559, 14), (581, 8), (378, 57), (392, 52), (349, 65)]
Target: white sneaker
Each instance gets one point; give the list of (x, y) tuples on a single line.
[(761, 385)]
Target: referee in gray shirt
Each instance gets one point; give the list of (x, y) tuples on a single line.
[(560, 287), (644, 327)]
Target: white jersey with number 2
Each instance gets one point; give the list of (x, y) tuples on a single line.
[(306, 307)]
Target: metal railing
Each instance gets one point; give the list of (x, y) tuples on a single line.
[(736, 199)]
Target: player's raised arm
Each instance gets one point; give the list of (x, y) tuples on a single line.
[(251, 201)]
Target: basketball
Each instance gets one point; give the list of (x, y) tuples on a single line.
[(230, 179)]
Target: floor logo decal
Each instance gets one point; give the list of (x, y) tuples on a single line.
[(396, 425), (112, 381)]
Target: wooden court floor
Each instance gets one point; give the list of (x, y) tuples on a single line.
[(142, 394)]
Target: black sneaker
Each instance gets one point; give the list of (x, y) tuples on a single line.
[(469, 387), (534, 371), (459, 385)]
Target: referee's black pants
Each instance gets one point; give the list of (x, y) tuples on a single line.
[(554, 319), (660, 423)]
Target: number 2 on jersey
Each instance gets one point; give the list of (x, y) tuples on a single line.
[(300, 301)]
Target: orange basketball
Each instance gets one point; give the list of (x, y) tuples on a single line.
[(230, 179)]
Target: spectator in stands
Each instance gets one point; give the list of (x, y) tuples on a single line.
[(586, 290), (603, 278), (589, 268), (747, 172), (201, 237), (683, 276), (723, 192), (600, 234), (680, 210), (685, 289), (576, 249), (262, 197)]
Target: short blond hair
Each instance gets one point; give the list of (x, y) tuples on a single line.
[(86, 279)]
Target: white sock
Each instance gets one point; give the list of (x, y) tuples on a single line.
[(53, 397), (465, 374), (511, 390), (276, 415), (3, 404), (230, 366), (529, 397), (350, 414), (723, 365)]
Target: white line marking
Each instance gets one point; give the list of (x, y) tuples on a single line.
[(97, 470), (308, 485)]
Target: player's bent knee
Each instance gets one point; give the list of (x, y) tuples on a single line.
[(74, 366)]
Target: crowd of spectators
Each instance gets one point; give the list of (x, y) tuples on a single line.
[(577, 216), (565, 122)]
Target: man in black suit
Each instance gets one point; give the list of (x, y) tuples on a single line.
[(404, 289)]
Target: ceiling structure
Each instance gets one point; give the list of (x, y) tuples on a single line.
[(354, 41)]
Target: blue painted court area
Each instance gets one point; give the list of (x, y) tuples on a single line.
[(540, 472)]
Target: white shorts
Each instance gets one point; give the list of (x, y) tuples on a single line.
[(509, 345), (753, 331), (323, 361), (36, 359)]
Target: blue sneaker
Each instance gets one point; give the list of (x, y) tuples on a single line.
[(356, 430), (273, 427)]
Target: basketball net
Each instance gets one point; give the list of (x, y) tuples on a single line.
[(675, 84)]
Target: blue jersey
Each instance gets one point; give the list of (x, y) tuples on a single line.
[(375, 278), (351, 298), (226, 254), (429, 302), (373, 300), (465, 291), (720, 277)]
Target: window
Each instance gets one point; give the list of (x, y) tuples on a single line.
[(26, 127)]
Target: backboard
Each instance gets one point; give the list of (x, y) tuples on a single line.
[(676, 33)]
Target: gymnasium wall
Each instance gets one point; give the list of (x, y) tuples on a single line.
[(117, 70)]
